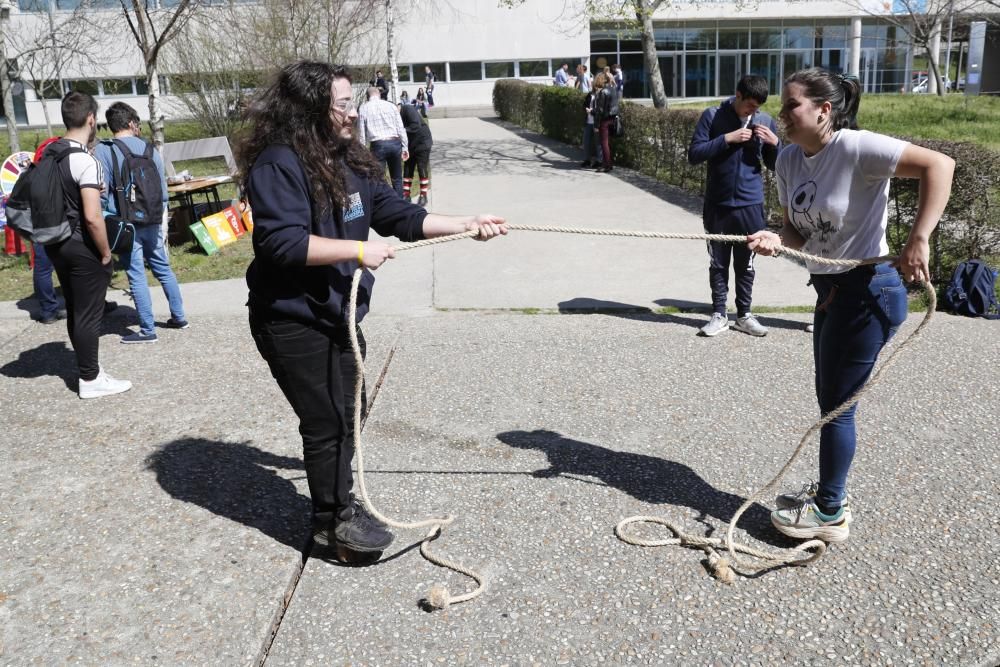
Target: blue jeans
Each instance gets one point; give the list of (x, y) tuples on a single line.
[(41, 276), (390, 153), (856, 314), (149, 246)]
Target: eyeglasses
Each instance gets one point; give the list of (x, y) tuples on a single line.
[(345, 106)]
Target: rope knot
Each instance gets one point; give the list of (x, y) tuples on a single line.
[(438, 598)]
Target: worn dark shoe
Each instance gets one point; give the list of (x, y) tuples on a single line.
[(174, 323), (358, 530), (422, 201), (109, 306), (52, 318)]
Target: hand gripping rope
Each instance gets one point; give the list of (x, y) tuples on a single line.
[(725, 569)]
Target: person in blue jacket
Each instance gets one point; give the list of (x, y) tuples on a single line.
[(315, 192), (737, 140)]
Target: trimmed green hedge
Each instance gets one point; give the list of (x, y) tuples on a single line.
[(656, 142)]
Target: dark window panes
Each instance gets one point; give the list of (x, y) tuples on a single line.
[(117, 86), (499, 70), (249, 80), (33, 5), (796, 61), (603, 40), (668, 39), (141, 87), (48, 90), (466, 71), (182, 84), (634, 70), (88, 86), (572, 62), (404, 73), (699, 75), (734, 38), (831, 59), (629, 42), (766, 65), (420, 72), (534, 67), (873, 36), (700, 39), (764, 37), (799, 37), (831, 36)]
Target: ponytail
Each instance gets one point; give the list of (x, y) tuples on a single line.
[(842, 92)]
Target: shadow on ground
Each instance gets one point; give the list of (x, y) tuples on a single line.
[(55, 358), (237, 481), (646, 478)]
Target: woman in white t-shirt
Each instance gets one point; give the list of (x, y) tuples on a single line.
[(833, 182)]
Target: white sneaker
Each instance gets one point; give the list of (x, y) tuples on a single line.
[(715, 326), (103, 385), (748, 324), (805, 523)]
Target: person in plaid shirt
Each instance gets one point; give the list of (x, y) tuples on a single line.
[(380, 125)]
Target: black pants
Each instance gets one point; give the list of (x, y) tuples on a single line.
[(84, 283), (419, 161), (315, 369), (727, 220)]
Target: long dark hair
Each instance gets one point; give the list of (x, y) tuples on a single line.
[(842, 92), (295, 110)]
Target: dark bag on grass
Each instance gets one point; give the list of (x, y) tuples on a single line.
[(36, 208), (972, 290)]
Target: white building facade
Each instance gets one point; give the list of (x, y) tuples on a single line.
[(703, 48)]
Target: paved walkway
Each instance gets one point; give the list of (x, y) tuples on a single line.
[(167, 524)]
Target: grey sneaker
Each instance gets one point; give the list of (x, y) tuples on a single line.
[(715, 326), (803, 522), (748, 324), (805, 495), (358, 530)]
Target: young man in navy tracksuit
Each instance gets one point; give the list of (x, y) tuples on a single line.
[(316, 192), (736, 139)]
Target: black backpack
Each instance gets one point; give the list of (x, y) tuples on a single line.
[(37, 208), (137, 186), (972, 291)]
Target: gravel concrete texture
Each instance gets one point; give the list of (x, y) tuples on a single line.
[(490, 167), (541, 432), (164, 524)]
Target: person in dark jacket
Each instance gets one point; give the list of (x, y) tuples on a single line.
[(418, 134), (737, 140), (315, 193), (605, 111)]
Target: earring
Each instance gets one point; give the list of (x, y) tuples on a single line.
[(820, 118)]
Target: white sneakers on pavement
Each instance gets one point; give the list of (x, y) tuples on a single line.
[(103, 385)]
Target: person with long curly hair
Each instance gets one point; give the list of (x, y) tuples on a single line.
[(315, 192)]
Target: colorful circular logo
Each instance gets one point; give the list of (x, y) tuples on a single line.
[(11, 169)]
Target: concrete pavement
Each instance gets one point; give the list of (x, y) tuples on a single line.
[(167, 524)]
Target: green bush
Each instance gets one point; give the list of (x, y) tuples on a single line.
[(656, 142)]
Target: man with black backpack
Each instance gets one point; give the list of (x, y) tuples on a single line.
[(82, 260), (137, 192)]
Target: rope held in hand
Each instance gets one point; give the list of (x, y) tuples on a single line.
[(721, 567)]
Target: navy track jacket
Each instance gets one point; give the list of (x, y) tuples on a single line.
[(734, 172), (284, 214)]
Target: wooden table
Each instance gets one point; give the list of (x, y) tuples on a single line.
[(208, 186)]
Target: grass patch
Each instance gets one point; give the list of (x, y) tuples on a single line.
[(952, 117)]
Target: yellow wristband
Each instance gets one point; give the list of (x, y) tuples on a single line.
[(361, 253)]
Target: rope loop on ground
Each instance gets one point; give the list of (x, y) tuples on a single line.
[(724, 568)]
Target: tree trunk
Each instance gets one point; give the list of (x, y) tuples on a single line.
[(45, 112), (155, 115), (932, 62), (645, 15), (390, 51)]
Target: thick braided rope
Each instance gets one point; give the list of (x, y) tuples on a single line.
[(721, 567)]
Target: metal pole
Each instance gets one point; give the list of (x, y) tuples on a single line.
[(8, 98), (947, 58)]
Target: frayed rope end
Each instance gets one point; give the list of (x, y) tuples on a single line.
[(722, 571), (438, 598)]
